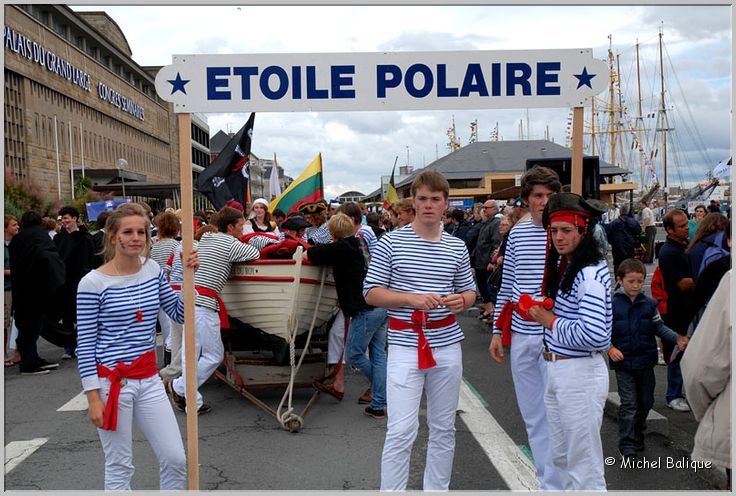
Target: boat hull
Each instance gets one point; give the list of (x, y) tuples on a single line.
[(266, 294)]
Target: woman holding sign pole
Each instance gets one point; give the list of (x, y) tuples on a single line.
[(117, 307)]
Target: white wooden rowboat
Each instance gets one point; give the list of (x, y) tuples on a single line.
[(264, 295), (285, 301)]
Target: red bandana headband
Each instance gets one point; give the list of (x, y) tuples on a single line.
[(577, 218)]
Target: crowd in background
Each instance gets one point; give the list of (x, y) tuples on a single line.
[(47, 256)]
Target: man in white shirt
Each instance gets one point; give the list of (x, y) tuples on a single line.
[(649, 229)]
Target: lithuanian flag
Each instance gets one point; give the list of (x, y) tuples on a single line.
[(306, 188)]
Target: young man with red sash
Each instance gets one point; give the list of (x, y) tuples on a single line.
[(523, 271), (423, 276), (217, 251)]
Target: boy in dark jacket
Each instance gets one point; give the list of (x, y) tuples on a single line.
[(633, 353)]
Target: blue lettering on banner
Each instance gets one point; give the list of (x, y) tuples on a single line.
[(442, 89), (515, 76), (214, 81), (282, 81), (474, 82), (503, 80), (274, 82), (409, 80), (245, 73), (340, 76), (383, 82), (296, 89), (495, 79), (312, 91), (545, 75)]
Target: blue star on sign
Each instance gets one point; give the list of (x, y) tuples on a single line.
[(584, 78), (178, 84)]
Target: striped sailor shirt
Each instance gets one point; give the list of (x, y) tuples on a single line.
[(407, 263), (523, 271), (162, 250), (319, 235), (217, 251), (108, 331), (584, 315), (260, 242)]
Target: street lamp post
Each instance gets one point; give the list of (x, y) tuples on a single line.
[(121, 164)]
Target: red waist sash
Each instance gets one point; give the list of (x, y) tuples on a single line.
[(142, 367), (224, 320), (418, 323), (503, 321)]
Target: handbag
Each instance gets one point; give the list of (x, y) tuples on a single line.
[(494, 279)]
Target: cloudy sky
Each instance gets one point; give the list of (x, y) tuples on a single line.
[(358, 147)]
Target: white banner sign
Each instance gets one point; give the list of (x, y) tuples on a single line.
[(381, 81)]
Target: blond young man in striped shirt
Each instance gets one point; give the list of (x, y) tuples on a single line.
[(422, 275)]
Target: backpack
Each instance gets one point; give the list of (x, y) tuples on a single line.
[(713, 252)]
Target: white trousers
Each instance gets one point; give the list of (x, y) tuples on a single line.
[(165, 323), (336, 339), (144, 401), (529, 373), (173, 369), (575, 398), (404, 386), (208, 350)]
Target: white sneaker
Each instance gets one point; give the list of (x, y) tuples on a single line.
[(679, 404)]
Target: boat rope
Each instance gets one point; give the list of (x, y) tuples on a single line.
[(288, 419)]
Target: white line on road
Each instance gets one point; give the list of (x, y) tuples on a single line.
[(17, 451), (511, 463), (76, 404)]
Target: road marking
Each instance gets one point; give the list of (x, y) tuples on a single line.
[(511, 462), (17, 451), (76, 404)]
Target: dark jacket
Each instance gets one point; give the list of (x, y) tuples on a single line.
[(489, 238), (623, 236), (461, 230), (99, 239), (674, 267), (472, 238), (635, 323), (36, 269), (77, 250), (348, 260)]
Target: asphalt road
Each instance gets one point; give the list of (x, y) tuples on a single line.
[(338, 448)]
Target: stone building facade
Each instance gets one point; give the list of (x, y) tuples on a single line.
[(74, 98)]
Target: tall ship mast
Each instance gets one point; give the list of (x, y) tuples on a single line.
[(636, 131)]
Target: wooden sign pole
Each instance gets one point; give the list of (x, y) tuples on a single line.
[(576, 183), (187, 235)]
